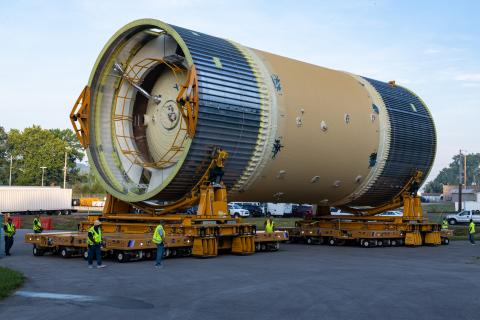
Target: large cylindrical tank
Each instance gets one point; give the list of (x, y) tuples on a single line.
[(295, 132)]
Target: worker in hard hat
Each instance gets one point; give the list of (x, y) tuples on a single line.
[(471, 231), (9, 229), (37, 225), (159, 240), (444, 224), (94, 242), (269, 226)]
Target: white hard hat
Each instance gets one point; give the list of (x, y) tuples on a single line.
[(97, 223)]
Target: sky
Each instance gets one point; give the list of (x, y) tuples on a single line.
[(48, 49)]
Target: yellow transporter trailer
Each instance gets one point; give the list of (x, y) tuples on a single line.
[(137, 246), (369, 230), (128, 236)]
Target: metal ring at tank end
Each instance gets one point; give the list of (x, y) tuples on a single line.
[(102, 152)]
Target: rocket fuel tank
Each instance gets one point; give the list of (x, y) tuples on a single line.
[(295, 132)]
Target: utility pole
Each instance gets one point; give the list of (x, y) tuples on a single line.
[(462, 176), (43, 173), (65, 172), (11, 164)]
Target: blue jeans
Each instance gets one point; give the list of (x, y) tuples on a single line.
[(158, 261), (94, 250), (471, 238)]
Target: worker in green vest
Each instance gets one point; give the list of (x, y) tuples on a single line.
[(37, 225), (269, 226), (444, 224), (159, 239), (94, 242), (471, 232), (9, 229)]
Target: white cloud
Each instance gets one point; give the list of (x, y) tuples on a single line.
[(470, 77), (431, 51)]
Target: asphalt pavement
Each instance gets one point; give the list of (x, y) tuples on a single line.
[(297, 282)]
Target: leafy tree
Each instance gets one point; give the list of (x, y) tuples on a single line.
[(450, 175), (4, 164), (35, 147)]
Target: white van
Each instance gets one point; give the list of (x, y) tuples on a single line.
[(278, 209)]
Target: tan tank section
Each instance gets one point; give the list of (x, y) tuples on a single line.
[(326, 131)]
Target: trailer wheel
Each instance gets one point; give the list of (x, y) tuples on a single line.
[(365, 243), (276, 246), (263, 247), (37, 252), (309, 240), (380, 243), (446, 241), (64, 253), (332, 242), (257, 247), (393, 242), (148, 255), (121, 257)]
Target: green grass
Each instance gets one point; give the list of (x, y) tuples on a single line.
[(439, 207), (68, 223), (9, 281)]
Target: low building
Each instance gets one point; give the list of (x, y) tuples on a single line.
[(432, 197)]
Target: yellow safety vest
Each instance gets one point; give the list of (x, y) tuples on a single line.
[(445, 225), (269, 227), (97, 236), (157, 238), (10, 229), (471, 227), (37, 226)]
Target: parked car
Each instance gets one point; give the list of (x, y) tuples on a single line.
[(391, 213), (255, 210), (337, 212), (278, 209), (464, 217), (302, 210), (236, 211)]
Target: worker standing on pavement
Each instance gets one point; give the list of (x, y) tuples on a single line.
[(37, 225), (269, 226), (471, 232), (159, 239), (444, 224), (94, 242), (9, 229)]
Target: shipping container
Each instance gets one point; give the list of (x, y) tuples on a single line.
[(31, 200)]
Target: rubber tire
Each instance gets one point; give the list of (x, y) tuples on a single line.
[(37, 252), (366, 244), (393, 243), (446, 241), (236, 215), (64, 253), (452, 222), (380, 243), (332, 242), (121, 257), (309, 240)]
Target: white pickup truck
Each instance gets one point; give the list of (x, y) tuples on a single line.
[(464, 217), (236, 211)]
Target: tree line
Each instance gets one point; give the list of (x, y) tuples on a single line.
[(450, 175), (25, 151)]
